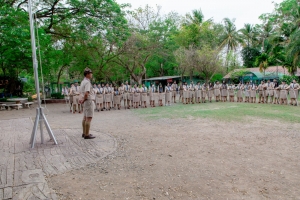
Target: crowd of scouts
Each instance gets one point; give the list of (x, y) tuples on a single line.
[(109, 97)]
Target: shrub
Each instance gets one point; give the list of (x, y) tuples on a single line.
[(57, 96)]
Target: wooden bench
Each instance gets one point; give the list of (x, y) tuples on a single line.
[(28, 104), (15, 106)]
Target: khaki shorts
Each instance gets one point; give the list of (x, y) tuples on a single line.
[(88, 108)]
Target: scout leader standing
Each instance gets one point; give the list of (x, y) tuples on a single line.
[(87, 99), (75, 93), (283, 92), (174, 91), (293, 91), (269, 91), (217, 91)]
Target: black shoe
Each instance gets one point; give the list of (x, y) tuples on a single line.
[(89, 137), (83, 135)]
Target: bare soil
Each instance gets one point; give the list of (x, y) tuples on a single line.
[(192, 158)]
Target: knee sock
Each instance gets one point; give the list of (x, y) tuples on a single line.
[(83, 127), (87, 128)]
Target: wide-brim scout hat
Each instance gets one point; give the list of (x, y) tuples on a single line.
[(88, 71)]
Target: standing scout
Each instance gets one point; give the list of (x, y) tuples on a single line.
[(253, 93), (181, 92), (161, 95), (293, 91), (87, 99), (174, 91), (168, 91), (231, 92), (99, 98), (107, 95), (126, 95), (198, 93), (186, 94), (217, 91), (152, 95), (239, 94), (269, 91), (192, 92), (144, 96), (261, 88), (117, 98), (136, 96), (210, 91), (224, 92), (276, 92), (247, 92), (75, 93), (283, 92), (204, 93)]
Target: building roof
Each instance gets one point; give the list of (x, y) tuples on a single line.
[(161, 78), (271, 72)]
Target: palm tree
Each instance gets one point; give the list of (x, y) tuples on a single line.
[(249, 34), (230, 39), (263, 62), (196, 17), (293, 51)]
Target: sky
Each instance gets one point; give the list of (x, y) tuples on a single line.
[(243, 11)]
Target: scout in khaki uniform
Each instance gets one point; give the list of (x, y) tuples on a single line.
[(186, 94), (231, 92), (161, 95), (247, 92), (204, 93), (107, 97), (217, 91), (136, 96), (276, 92), (174, 91), (117, 98), (224, 91), (87, 99), (168, 92), (253, 93), (198, 93), (126, 95), (76, 92), (152, 95), (192, 92), (239, 94), (283, 92), (181, 92), (261, 88), (293, 91), (144, 94), (99, 97), (269, 91), (112, 94), (210, 91), (121, 91)]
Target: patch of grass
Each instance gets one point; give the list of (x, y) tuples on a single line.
[(224, 111)]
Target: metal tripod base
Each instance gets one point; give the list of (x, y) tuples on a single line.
[(40, 118)]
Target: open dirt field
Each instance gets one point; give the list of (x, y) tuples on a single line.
[(182, 158)]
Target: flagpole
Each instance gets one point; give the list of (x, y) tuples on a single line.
[(40, 117)]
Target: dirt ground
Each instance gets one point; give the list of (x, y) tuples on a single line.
[(192, 158)]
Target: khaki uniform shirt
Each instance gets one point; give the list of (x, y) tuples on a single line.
[(86, 86)]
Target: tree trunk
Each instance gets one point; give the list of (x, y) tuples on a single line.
[(59, 75)]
